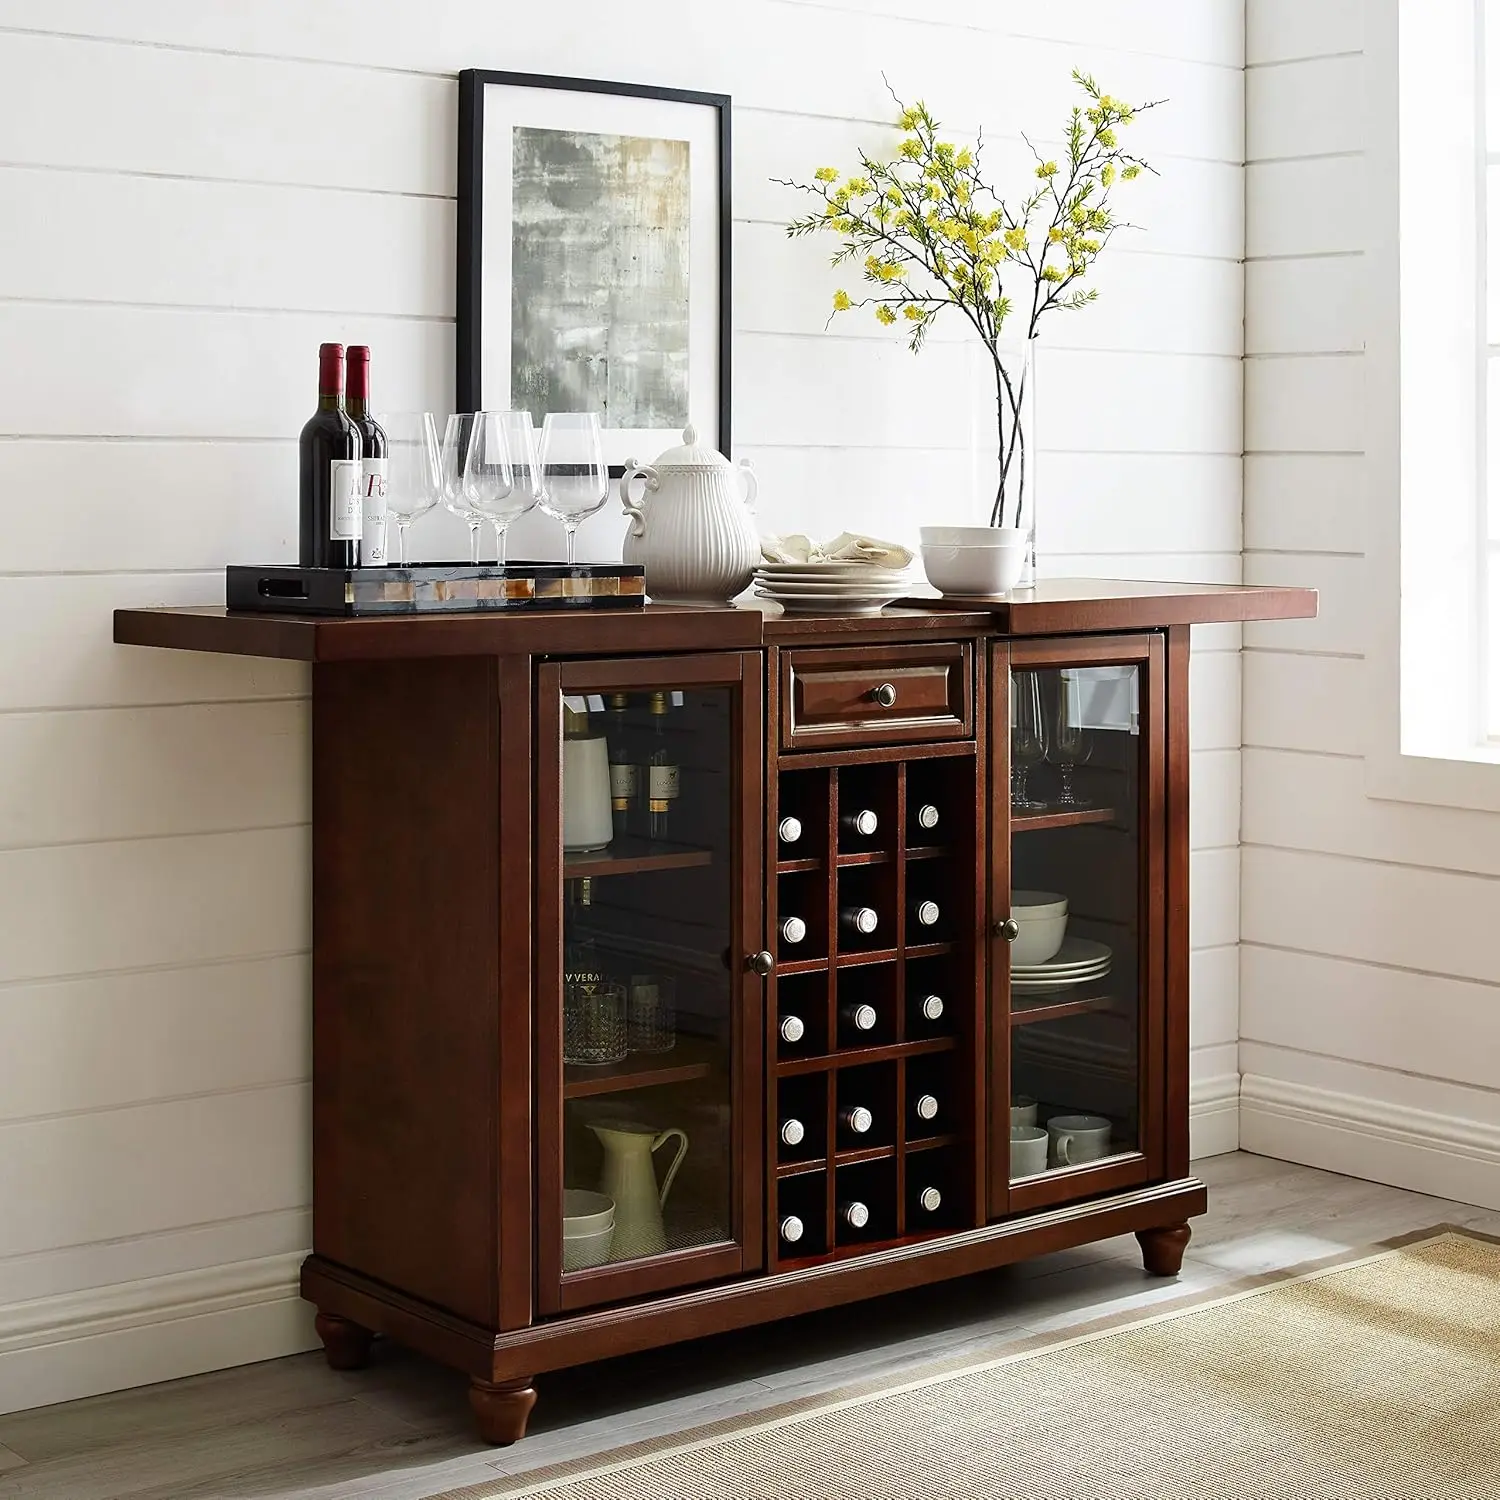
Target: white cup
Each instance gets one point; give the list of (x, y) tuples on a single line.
[(1077, 1139), (1028, 1150), (1022, 1110)]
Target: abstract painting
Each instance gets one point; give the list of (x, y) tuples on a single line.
[(600, 268), (593, 257)]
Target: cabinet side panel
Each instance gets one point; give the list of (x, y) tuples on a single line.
[(405, 975)]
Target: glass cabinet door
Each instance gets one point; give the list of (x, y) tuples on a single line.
[(1078, 967), (648, 1016)]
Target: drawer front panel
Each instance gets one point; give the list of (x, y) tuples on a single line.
[(876, 695)]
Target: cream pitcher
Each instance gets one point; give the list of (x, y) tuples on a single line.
[(630, 1179), (691, 524)]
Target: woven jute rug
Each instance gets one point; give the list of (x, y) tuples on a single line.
[(1376, 1376)]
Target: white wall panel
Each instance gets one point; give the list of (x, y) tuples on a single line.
[(1284, 30), (1304, 207), (1313, 108), (1300, 702), (1304, 405), (1305, 502), (1305, 305)]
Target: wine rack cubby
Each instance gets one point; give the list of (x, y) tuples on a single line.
[(887, 1004)]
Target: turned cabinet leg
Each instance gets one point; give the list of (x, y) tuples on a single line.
[(346, 1344), (502, 1409), (1162, 1249)]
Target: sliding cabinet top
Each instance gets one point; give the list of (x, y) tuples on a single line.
[(1058, 606)]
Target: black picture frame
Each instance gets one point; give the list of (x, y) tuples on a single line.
[(472, 83)]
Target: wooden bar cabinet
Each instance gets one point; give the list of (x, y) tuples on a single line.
[(774, 1009)]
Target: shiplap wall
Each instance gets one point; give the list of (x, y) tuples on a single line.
[(1370, 979), (194, 196)]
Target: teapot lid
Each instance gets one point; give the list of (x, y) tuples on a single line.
[(692, 454)]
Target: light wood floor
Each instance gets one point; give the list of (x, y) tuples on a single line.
[(294, 1430)]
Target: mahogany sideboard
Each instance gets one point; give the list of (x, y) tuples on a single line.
[(764, 1050)]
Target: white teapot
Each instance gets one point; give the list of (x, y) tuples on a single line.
[(695, 534)]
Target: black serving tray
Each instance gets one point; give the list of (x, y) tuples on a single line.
[(435, 588)]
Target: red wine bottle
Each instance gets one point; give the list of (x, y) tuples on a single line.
[(329, 449), (372, 462)]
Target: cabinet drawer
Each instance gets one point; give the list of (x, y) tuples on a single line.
[(876, 695)]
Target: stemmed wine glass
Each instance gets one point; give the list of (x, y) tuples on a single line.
[(1028, 737), (501, 475), (1071, 744), (456, 439), (575, 478), (414, 470)]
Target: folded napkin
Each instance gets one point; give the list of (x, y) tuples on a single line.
[(845, 547)]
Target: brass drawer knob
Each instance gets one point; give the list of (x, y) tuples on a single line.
[(761, 963), (1009, 929), (885, 694)]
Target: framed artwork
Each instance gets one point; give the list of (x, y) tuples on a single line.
[(593, 256)]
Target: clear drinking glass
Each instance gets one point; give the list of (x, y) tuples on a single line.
[(1071, 743), (575, 478), (594, 1023), (1028, 737), (414, 470), (501, 475), (456, 439), (651, 1019)]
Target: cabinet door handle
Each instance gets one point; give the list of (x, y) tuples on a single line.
[(761, 963), (884, 694), (1009, 929)]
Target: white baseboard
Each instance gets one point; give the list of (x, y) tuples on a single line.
[(1214, 1116), (138, 1332), (1443, 1155)]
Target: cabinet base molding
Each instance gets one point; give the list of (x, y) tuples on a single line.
[(504, 1363)]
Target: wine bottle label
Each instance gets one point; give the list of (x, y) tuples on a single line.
[(624, 782), (666, 782), (345, 513), (372, 472)]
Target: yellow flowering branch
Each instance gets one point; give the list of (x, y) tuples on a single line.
[(930, 233)]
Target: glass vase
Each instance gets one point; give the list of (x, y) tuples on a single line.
[(1002, 444)]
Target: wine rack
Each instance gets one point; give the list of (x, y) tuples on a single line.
[(880, 1016)]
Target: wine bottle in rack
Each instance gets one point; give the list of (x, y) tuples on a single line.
[(789, 830), (862, 824), (924, 913), (792, 1132), (925, 818), (929, 1200), (792, 1029), (328, 455), (793, 930), (859, 921), (372, 460), (624, 767), (859, 1017), (854, 1214), (925, 1107), (665, 777), (792, 1229), (856, 1119), (930, 1007)]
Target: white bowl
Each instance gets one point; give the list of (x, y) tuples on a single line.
[(1042, 917), (972, 536), (586, 1214), (583, 1250), (993, 569)]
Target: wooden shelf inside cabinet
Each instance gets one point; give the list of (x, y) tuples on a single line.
[(1060, 817), (797, 866), (853, 1057), (632, 857), (850, 1252), (1055, 1010), (863, 857), (690, 1059), (856, 1154)]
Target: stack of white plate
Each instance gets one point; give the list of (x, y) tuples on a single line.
[(1080, 960), (852, 588)]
